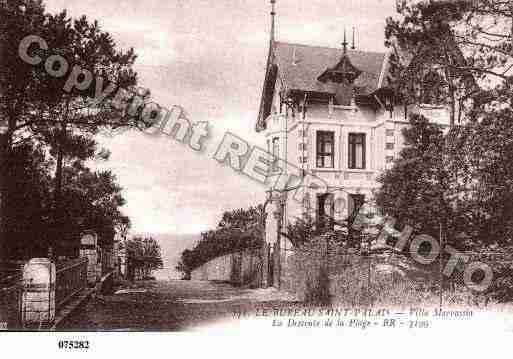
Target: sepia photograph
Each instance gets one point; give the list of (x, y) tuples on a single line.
[(270, 168)]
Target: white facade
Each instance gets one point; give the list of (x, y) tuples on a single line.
[(296, 140), (328, 116)]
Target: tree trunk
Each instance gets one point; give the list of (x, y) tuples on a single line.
[(58, 181), (58, 170), (58, 210), (3, 192), (511, 15)]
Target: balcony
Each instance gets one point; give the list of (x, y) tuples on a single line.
[(358, 175), (347, 177)]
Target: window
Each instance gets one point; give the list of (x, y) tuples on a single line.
[(389, 132), (276, 152), (389, 159), (276, 147), (356, 151), (306, 202), (325, 149), (390, 146)]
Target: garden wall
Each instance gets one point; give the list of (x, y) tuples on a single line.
[(219, 268), (240, 268)]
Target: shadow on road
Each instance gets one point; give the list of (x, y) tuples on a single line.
[(172, 305)]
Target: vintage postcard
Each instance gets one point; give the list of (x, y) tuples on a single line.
[(269, 170)]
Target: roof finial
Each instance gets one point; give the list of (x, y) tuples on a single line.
[(353, 47), (344, 44), (273, 15), (273, 26)]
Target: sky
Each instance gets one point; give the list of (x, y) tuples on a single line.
[(207, 56)]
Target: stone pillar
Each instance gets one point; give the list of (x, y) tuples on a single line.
[(277, 264), (89, 250), (38, 302), (123, 262), (271, 222), (265, 253), (93, 267)]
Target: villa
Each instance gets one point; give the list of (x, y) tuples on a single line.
[(330, 113)]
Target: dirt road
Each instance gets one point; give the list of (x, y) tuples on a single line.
[(171, 305)]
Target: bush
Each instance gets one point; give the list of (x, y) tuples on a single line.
[(502, 286), (317, 292)]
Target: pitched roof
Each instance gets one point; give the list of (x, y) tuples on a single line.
[(300, 66)]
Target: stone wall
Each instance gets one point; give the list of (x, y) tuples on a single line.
[(217, 269), (251, 268), (240, 268)]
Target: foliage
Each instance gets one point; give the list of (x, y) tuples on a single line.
[(480, 155), (144, 255), (242, 219), (501, 289), (302, 230), (237, 230), (413, 190), (37, 109), (92, 201), (455, 52), (317, 291), (461, 179), (28, 202), (36, 103), (305, 229)]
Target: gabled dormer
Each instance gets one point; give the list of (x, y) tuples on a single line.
[(322, 73), (344, 72), (298, 76), (343, 76)]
